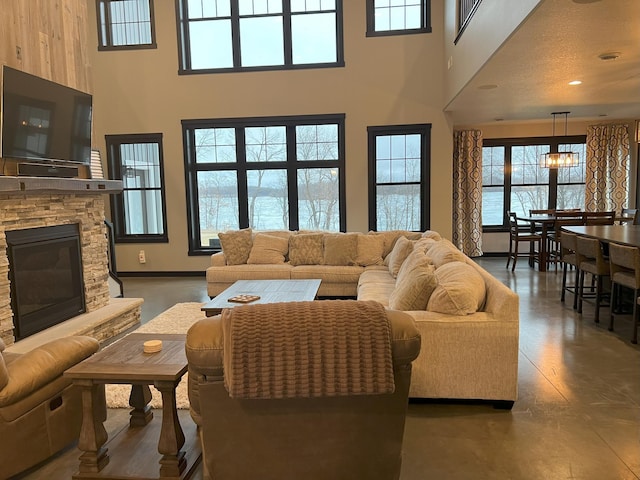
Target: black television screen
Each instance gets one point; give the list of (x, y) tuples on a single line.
[(43, 120)]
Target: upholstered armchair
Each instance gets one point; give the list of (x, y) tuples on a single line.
[(40, 411), (302, 390)]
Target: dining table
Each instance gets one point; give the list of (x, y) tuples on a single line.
[(546, 223), (624, 234)]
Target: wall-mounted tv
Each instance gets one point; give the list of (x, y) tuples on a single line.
[(43, 121)]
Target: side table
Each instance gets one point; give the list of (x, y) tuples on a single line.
[(125, 362)]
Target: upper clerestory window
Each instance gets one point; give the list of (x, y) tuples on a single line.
[(398, 17), (241, 35), (125, 24)]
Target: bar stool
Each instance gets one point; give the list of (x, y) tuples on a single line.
[(625, 271), (569, 258), (591, 260), (519, 233)]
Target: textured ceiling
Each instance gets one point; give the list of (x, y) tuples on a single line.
[(560, 41)]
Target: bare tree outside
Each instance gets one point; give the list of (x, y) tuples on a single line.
[(398, 174), (529, 181), (267, 188), (318, 188)]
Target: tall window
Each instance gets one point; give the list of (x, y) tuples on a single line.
[(399, 166), (139, 212), (125, 24), (513, 180), (263, 173), (237, 35), (395, 17)]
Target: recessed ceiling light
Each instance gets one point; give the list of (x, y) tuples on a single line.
[(575, 82), (489, 86), (609, 56)]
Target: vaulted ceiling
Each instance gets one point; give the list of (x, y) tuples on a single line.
[(561, 41)]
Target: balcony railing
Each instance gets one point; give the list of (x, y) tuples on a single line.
[(466, 9)]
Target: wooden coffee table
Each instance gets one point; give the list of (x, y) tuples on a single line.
[(269, 291), (125, 362)]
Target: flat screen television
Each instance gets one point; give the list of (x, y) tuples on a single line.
[(44, 122)]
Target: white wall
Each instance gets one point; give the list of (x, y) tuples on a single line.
[(493, 23)]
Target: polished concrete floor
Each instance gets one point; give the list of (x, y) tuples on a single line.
[(577, 415)]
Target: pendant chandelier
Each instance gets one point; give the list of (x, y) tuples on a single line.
[(559, 159)]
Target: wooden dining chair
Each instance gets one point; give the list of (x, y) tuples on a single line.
[(629, 213), (563, 218), (569, 260), (521, 233), (591, 260), (624, 264), (599, 218)]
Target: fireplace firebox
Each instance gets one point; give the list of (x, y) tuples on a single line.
[(45, 271)]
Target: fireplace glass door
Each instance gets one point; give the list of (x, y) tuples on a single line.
[(45, 270)]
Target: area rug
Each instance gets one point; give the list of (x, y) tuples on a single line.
[(176, 319)]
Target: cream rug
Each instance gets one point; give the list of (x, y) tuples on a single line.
[(176, 319)]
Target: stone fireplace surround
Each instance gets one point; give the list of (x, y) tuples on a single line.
[(28, 202)]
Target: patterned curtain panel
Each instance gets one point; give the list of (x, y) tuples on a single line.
[(607, 164), (467, 191)]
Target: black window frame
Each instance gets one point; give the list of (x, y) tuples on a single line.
[(114, 164), (424, 130), (554, 142), (184, 48), (106, 44), (291, 164), (424, 28)]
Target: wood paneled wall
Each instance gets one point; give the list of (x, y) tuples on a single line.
[(47, 38)]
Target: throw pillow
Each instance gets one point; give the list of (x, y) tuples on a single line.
[(306, 249), (340, 248), (431, 234), (413, 289), (400, 252), (444, 252), (370, 250), (461, 290), (417, 258), (268, 249), (236, 245), (391, 236)]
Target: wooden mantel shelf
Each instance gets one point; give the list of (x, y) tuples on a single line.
[(74, 186)]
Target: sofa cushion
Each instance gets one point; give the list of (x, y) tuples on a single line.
[(400, 252), (413, 288), (340, 248), (306, 249), (391, 236), (370, 250), (231, 273), (444, 252), (417, 258), (267, 249), (461, 290), (236, 245), (432, 235), (328, 273)]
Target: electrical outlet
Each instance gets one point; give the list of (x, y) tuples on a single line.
[(142, 258)]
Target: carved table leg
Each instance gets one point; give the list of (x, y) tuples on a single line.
[(92, 433), (139, 399), (173, 461)]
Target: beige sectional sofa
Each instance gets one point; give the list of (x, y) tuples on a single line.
[(468, 320)]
